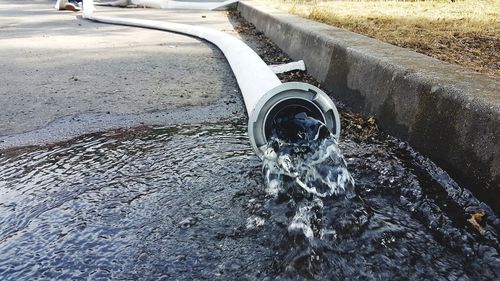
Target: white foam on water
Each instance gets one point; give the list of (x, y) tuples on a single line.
[(312, 167)]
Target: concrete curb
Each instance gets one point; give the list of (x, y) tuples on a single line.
[(449, 113)]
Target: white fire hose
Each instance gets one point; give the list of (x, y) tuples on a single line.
[(169, 4), (264, 95)]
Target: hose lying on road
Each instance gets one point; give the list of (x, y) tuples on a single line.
[(264, 95)]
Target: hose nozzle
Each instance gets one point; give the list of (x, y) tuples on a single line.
[(290, 99)]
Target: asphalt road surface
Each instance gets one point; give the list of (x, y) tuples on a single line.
[(61, 75)]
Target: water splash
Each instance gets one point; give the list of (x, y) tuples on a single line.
[(390, 218), (301, 223), (303, 159)]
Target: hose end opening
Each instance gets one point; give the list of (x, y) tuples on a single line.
[(285, 101)]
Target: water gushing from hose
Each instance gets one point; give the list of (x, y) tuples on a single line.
[(303, 161), (294, 127)]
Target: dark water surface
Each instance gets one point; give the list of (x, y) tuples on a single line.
[(190, 203)]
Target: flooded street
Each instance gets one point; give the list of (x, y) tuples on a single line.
[(190, 203)]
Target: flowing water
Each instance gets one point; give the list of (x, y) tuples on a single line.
[(303, 163), (191, 203), (397, 227)]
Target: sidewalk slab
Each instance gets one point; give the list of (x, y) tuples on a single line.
[(449, 113)]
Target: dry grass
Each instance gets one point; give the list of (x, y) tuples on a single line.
[(465, 32)]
